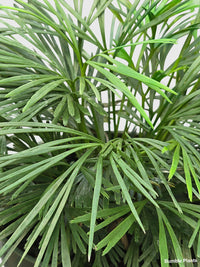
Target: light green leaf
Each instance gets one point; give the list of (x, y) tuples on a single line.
[(136, 180), (69, 29), (31, 84), (82, 85), (60, 107), (95, 201), (54, 259), (196, 230), (164, 254), (77, 239), (198, 246), (175, 242), (94, 89), (66, 189), (186, 166), (43, 92), (111, 219), (101, 214), (125, 192), (119, 231), (65, 116), (154, 158), (34, 171), (65, 251), (122, 87), (175, 161), (127, 71), (112, 238), (70, 103), (172, 144), (35, 127)]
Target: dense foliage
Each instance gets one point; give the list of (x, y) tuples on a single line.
[(99, 132)]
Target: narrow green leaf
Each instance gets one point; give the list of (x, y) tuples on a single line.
[(85, 23), (101, 214), (16, 244), (155, 41), (186, 166), (127, 3), (119, 231), (100, 9), (182, 216), (54, 259), (62, 204), (124, 55), (101, 20), (20, 78), (70, 104), (172, 144), (192, 238), (198, 246), (141, 167), (116, 234), (43, 223), (35, 127), (125, 70), (154, 158), (136, 180), (65, 116), (116, 14), (196, 179), (162, 241), (123, 88), (97, 106), (47, 256), (37, 208), (175, 162), (53, 207), (175, 242), (82, 85), (107, 84), (43, 148), (42, 92), (69, 28), (95, 201), (125, 192), (76, 235), (77, 115), (60, 107), (189, 75), (65, 251), (111, 219), (31, 84), (94, 89), (34, 171)]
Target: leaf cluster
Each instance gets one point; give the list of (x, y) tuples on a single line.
[(100, 150)]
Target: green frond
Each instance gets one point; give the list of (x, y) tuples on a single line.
[(99, 132)]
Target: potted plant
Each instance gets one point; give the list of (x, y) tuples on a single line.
[(100, 133)]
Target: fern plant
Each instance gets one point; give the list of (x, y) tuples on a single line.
[(100, 133)]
